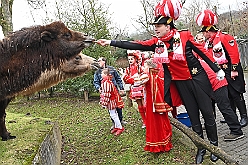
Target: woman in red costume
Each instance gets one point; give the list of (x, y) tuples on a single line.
[(131, 76), (158, 127)]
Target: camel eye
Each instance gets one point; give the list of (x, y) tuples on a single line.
[(78, 57), (67, 35)]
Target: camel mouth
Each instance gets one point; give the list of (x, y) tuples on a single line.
[(89, 41), (95, 66)]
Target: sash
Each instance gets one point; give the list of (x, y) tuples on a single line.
[(157, 89)]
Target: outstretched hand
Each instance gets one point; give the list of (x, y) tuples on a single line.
[(103, 42)]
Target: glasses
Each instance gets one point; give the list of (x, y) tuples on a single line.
[(99, 60)]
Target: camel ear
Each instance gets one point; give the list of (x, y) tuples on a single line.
[(47, 36)]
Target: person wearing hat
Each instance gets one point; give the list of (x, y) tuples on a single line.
[(132, 76), (223, 102), (224, 50), (174, 49)]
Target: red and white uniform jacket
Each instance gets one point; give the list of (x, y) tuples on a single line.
[(110, 97), (224, 49)]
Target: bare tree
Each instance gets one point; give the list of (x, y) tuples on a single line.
[(6, 12), (6, 16), (235, 22), (147, 16)]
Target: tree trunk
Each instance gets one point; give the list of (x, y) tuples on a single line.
[(199, 142), (6, 16)]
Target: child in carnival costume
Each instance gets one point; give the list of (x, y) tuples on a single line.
[(111, 99)]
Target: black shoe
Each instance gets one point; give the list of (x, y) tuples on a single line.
[(243, 121), (199, 156), (213, 158)]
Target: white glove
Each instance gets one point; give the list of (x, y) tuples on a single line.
[(220, 74)]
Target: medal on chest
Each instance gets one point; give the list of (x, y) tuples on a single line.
[(219, 53)]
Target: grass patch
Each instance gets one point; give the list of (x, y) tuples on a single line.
[(86, 135), (30, 132)]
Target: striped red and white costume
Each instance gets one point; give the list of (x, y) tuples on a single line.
[(110, 97)]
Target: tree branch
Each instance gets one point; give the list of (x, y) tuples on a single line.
[(199, 142)]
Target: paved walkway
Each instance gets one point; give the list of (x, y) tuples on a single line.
[(237, 149)]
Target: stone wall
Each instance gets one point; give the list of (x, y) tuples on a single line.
[(50, 149)]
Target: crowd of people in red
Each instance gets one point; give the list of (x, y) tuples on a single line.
[(183, 70)]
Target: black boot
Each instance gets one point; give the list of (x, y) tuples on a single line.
[(243, 112), (200, 152), (213, 138), (213, 158), (199, 156)]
